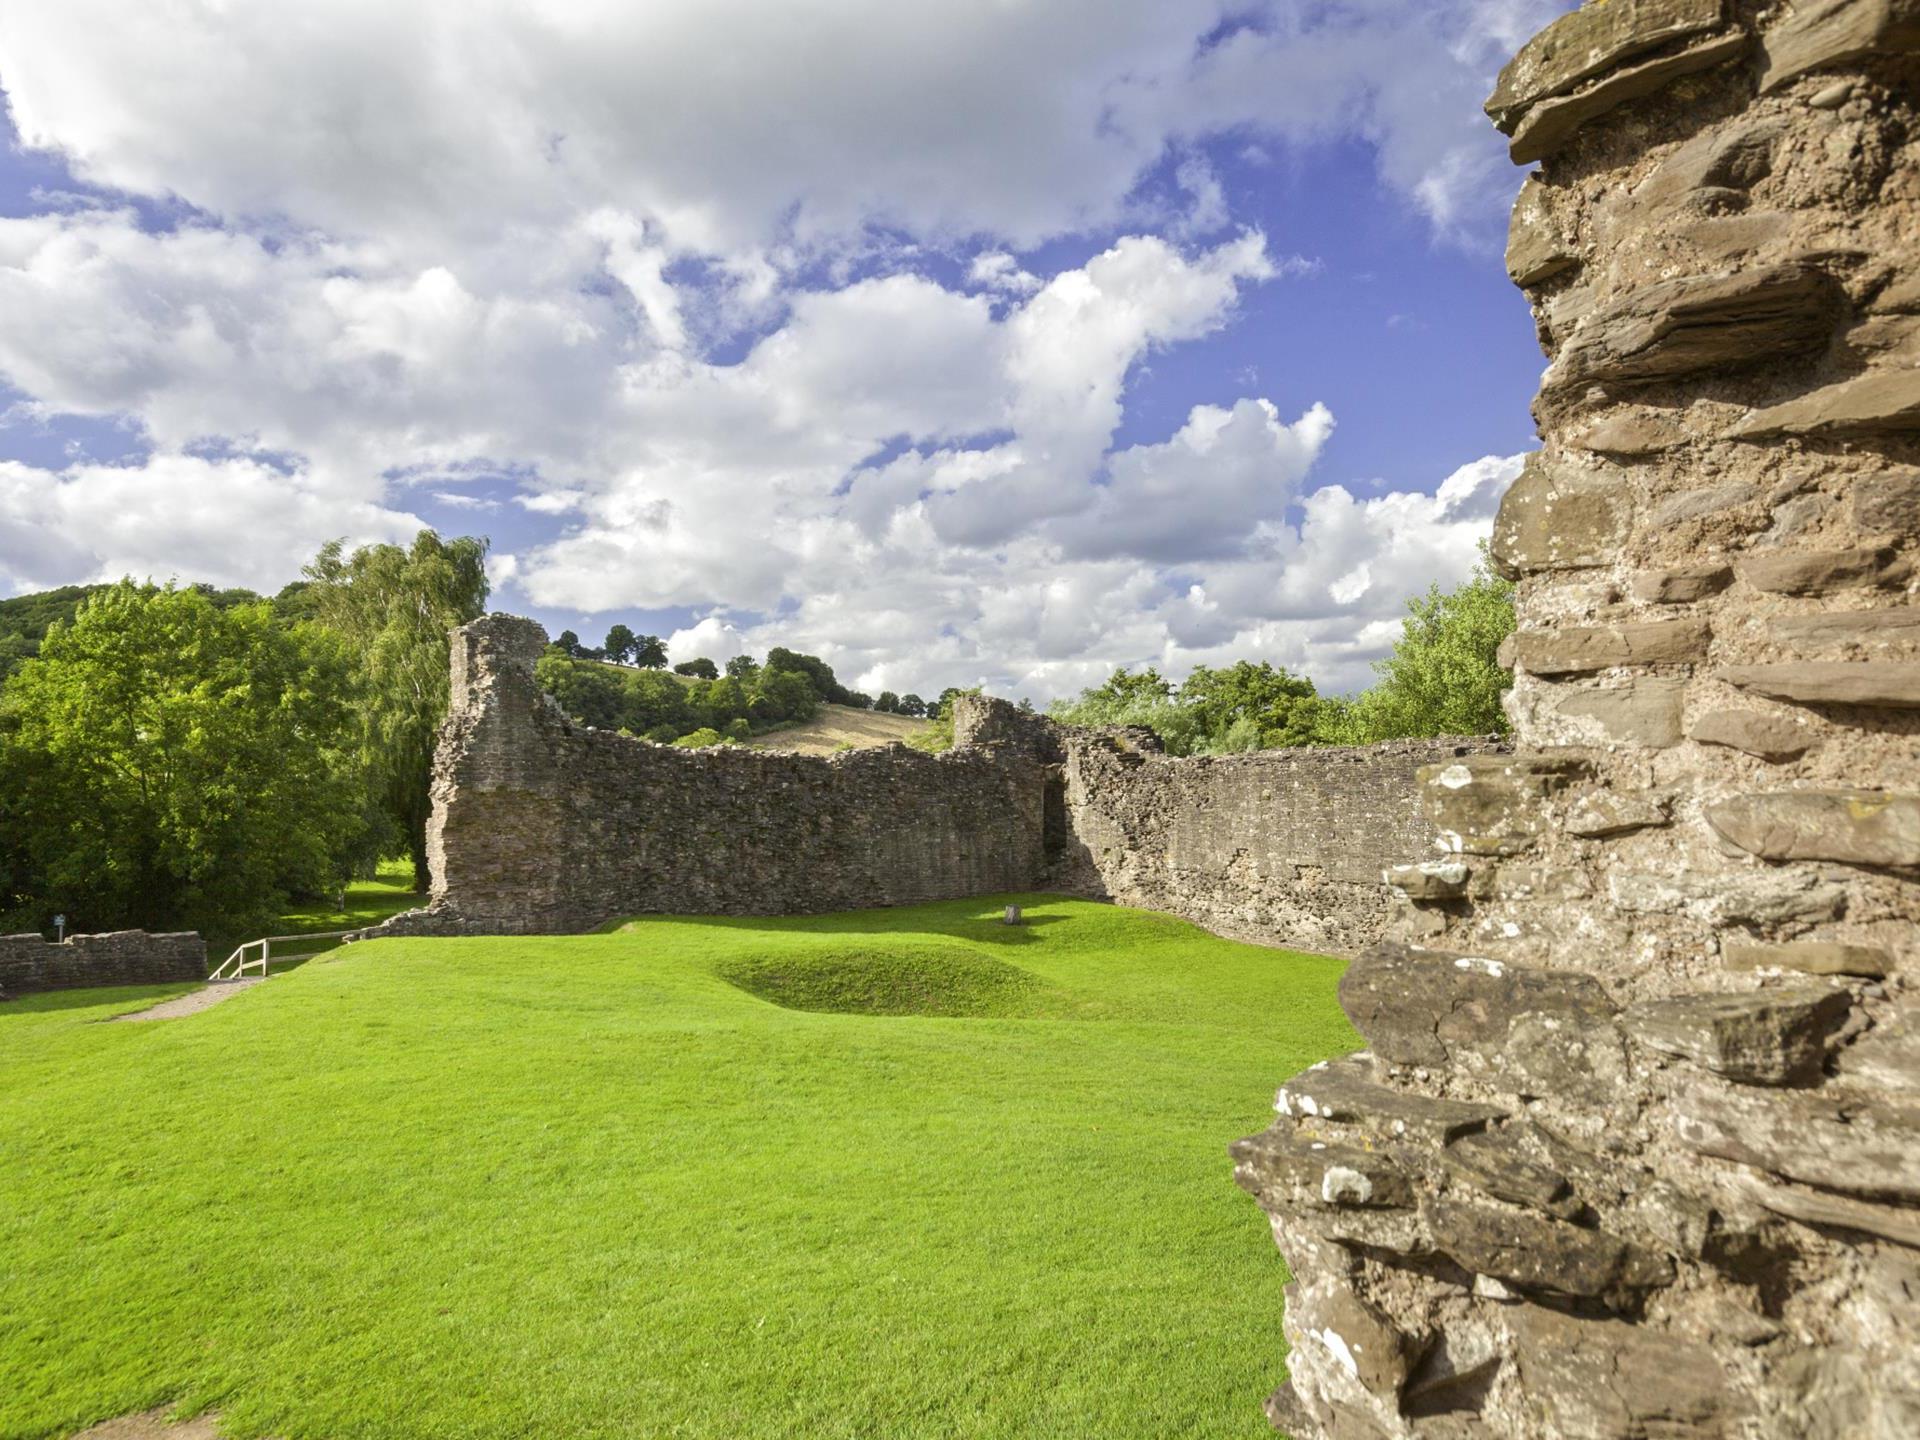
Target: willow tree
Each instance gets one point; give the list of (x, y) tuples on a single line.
[(395, 607)]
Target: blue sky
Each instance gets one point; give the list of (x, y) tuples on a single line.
[(981, 344)]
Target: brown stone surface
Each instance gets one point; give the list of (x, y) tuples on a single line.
[(1859, 827), (1557, 518), (1811, 957), (1761, 1037), (1767, 737), (1552, 123), (1686, 969), (1820, 34), (1816, 682), (1887, 400), (1576, 649), (1589, 42), (1687, 325), (1644, 711), (1818, 572)]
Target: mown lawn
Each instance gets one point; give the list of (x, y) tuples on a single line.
[(593, 1187)]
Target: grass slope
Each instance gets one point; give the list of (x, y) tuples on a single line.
[(839, 727), (591, 1187)]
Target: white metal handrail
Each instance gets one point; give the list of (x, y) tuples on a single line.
[(239, 962)]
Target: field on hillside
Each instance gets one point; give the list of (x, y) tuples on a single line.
[(838, 726), (904, 1173)]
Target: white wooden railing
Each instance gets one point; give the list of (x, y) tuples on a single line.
[(242, 960)]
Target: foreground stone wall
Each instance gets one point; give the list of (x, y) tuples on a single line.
[(1634, 1150), (30, 963)]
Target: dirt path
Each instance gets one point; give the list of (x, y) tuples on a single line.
[(205, 998), (152, 1425)]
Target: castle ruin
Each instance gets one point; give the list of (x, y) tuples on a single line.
[(1634, 1147)]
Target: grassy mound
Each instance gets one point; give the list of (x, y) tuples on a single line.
[(903, 977), (586, 1187)]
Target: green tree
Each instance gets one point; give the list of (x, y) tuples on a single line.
[(568, 644), (1248, 702), (1143, 699), (395, 608), (166, 762), (888, 703), (700, 668), (913, 705), (782, 695), (620, 645), (1443, 677), (650, 652), (742, 667)]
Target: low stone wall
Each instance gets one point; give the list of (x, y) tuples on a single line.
[(1279, 845), (30, 963)]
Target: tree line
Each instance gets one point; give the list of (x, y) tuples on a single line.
[(1443, 677), (183, 757)]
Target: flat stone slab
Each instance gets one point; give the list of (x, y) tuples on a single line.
[(1856, 827), (1763, 1037), (1889, 683)]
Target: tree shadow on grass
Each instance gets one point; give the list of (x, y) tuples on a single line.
[(45, 1002), (982, 924)]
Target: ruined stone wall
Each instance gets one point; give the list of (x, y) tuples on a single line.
[(30, 963), (1277, 845), (541, 825), (1634, 1149)]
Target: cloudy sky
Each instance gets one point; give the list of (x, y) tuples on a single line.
[(957, 341)]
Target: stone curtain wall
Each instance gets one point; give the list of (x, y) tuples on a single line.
[(1278, 845), (29, 963), (1634, 1150), (541, 825)]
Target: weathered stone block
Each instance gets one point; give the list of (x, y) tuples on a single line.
[(1496, 1163), (1682, 584), (1589, 42), (1557, 518), (1611, 1381), (1551, 123), (1634, 431), (1536, 1253), (1858, 1149), (1857, 827), (1767, 737), (1540, 1030), (1602, 813), (1811, 1207), (1538, 248), (1753, 316), (1489, 804), (1645, 711), (1764, 899), (1766, 1037), (1895, 630), (1709, 173), (1811, 957), (1282, 1162), (1428, 880), (1831, 682), (1819, 34), (1577, 649), (1708, 500), (1820, 572), (1344, 1091), (1888, 503), (1882, 400)]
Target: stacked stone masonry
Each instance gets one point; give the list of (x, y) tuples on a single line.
[(1634, 1147), (31, 963), (541, 825)]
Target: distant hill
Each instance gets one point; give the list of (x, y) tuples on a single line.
[(839, 727)]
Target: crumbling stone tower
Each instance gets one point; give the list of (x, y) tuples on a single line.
[(1634, 1148)]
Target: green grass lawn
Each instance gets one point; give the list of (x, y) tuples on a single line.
[(599, 1186)]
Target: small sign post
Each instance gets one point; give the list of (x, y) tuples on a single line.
[(60, 929)]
